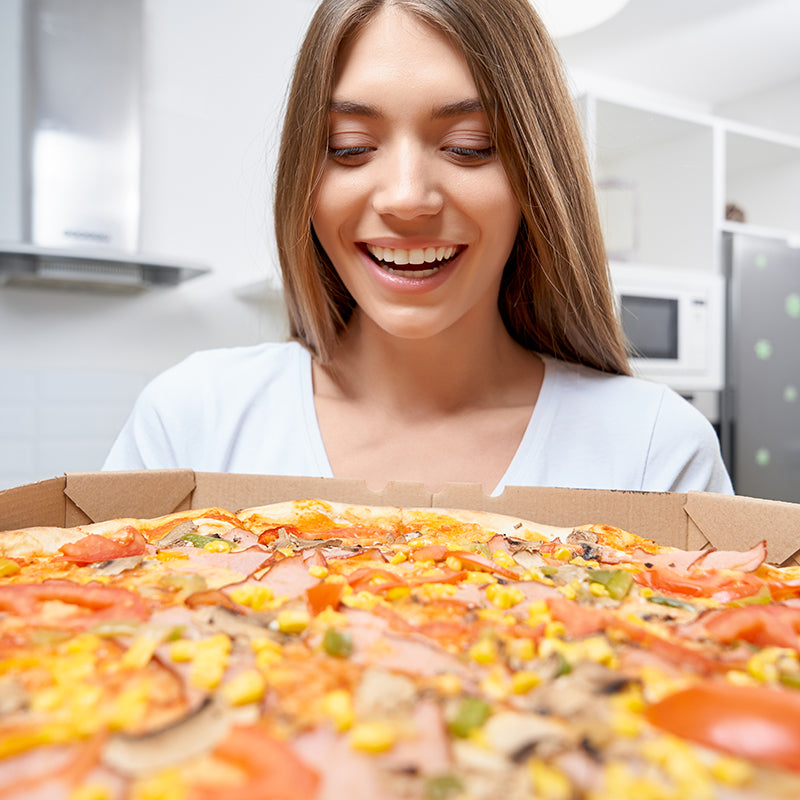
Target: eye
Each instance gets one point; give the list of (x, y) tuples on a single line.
[(349, 156), (471, 155)]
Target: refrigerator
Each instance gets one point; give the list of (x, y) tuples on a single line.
[(760, 404)]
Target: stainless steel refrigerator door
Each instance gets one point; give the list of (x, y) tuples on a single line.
[(761, 404)]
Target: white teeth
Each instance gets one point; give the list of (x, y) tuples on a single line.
[(429, 255)]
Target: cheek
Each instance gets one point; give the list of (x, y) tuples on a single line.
[(335, 202)]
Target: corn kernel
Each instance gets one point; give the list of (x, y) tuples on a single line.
[(171, 555), (292, 620), (484, 651), (141, 651), (521, 649), (504, 596), (318, 571), (549, 783), (83, 643), (8, 567), (496, 685), (453, 563), (525, 680), (764, 665), (598, 590), (398, 558), (538, 611), (563, 553), (373, 737), (218, 546), (338, 707), (363, 600), (91, 791), (503, 559), (436, 591), (254, 595), (167, 785), (210, 661), (740, 678), (246, 687), (732, 771), (328, 618), (398, 593), (570, 590), (130, 707), (555, 630), (448, 684), (183, 650)]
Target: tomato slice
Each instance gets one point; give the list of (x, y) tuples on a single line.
[(753, 722), (324, 595), (774, 625), (93, 548), (106, 602), (273, 770)]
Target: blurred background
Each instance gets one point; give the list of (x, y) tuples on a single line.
[(137, 143)]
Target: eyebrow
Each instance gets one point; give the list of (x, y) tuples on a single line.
[(458, 109)]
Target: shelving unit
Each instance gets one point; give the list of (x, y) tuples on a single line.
[(672, 172)]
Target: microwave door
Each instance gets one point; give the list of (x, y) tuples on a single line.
[(651, 325)]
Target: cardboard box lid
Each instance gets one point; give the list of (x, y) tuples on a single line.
[(691, 521)]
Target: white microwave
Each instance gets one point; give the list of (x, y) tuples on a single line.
[(674, 321)]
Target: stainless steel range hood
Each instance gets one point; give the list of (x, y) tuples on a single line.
[(79, 185)]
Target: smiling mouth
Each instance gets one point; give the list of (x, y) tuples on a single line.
[(416, 263)]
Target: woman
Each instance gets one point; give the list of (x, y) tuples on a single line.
[(445, 278)]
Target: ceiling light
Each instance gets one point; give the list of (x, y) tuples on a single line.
[(565, 17)]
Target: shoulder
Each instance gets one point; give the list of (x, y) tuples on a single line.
[(667, 443), (587, 386)]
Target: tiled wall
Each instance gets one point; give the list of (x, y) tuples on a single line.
[(57, 421)]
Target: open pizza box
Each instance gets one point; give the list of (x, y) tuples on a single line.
[(691, 521)]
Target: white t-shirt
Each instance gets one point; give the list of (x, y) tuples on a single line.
[(251, 410)]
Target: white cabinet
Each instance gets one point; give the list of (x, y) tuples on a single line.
[(665, 176)]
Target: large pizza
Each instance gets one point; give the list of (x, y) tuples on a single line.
[(318, 650)]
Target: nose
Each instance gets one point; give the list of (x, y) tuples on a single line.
[(407, 186)]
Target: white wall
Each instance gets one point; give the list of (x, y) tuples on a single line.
[(72, 363)]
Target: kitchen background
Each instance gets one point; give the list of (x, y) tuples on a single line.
[(689, 106)]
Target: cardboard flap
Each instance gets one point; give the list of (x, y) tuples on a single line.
[(96, 496), (739, 523), (39, 503), (245, 491)]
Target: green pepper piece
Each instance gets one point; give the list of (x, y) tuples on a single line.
[(198, 540), (471, 714), (618, 582), (440, 787), (671, 602), (337, 643), (790, 679)]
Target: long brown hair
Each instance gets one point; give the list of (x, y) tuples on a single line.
[(555, 296)]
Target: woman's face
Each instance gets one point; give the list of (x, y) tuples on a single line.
[(414, 208)]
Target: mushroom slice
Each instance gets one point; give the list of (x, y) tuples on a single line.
[(193, 735), (176, 534), (115, 566), (514, 734)]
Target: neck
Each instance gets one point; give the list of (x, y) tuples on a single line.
[(463, 367)]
